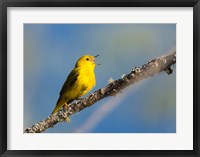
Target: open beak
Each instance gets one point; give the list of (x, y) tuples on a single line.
[(95, 58)]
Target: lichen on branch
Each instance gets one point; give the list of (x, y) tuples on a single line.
[(137, 74)]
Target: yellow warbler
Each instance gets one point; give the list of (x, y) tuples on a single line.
[(80, 81)]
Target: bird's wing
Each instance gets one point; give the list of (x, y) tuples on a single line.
[(71, 79)]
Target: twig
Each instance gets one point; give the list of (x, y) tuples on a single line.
[(137, 74)]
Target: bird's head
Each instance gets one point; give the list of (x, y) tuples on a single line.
[(87, 61)]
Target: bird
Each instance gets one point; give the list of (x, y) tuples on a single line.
[(79, 82)]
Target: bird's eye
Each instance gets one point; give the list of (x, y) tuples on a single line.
[(87, 59)]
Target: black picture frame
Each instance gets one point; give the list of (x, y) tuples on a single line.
[(4, 4)]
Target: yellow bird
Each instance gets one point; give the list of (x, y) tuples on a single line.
[(79, 82)]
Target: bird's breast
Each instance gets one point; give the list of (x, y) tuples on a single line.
[(87, 78)]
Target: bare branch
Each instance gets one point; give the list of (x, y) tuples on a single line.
[(137, 74)]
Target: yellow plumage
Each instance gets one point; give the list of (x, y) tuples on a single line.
[(79, 82)]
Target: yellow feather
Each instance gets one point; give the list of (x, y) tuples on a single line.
[(79, 82)]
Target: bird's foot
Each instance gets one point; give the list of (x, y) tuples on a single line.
[(79, 99), (65, 107)]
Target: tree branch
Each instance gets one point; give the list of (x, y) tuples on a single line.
[(137, 74)]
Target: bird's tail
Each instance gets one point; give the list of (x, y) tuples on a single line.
[(59, 104)]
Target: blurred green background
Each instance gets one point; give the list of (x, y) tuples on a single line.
[(50, 53)]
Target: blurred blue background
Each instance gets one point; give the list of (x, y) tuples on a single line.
[(50, 53)]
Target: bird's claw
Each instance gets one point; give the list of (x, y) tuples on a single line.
[(65, 106), (79, 99)]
